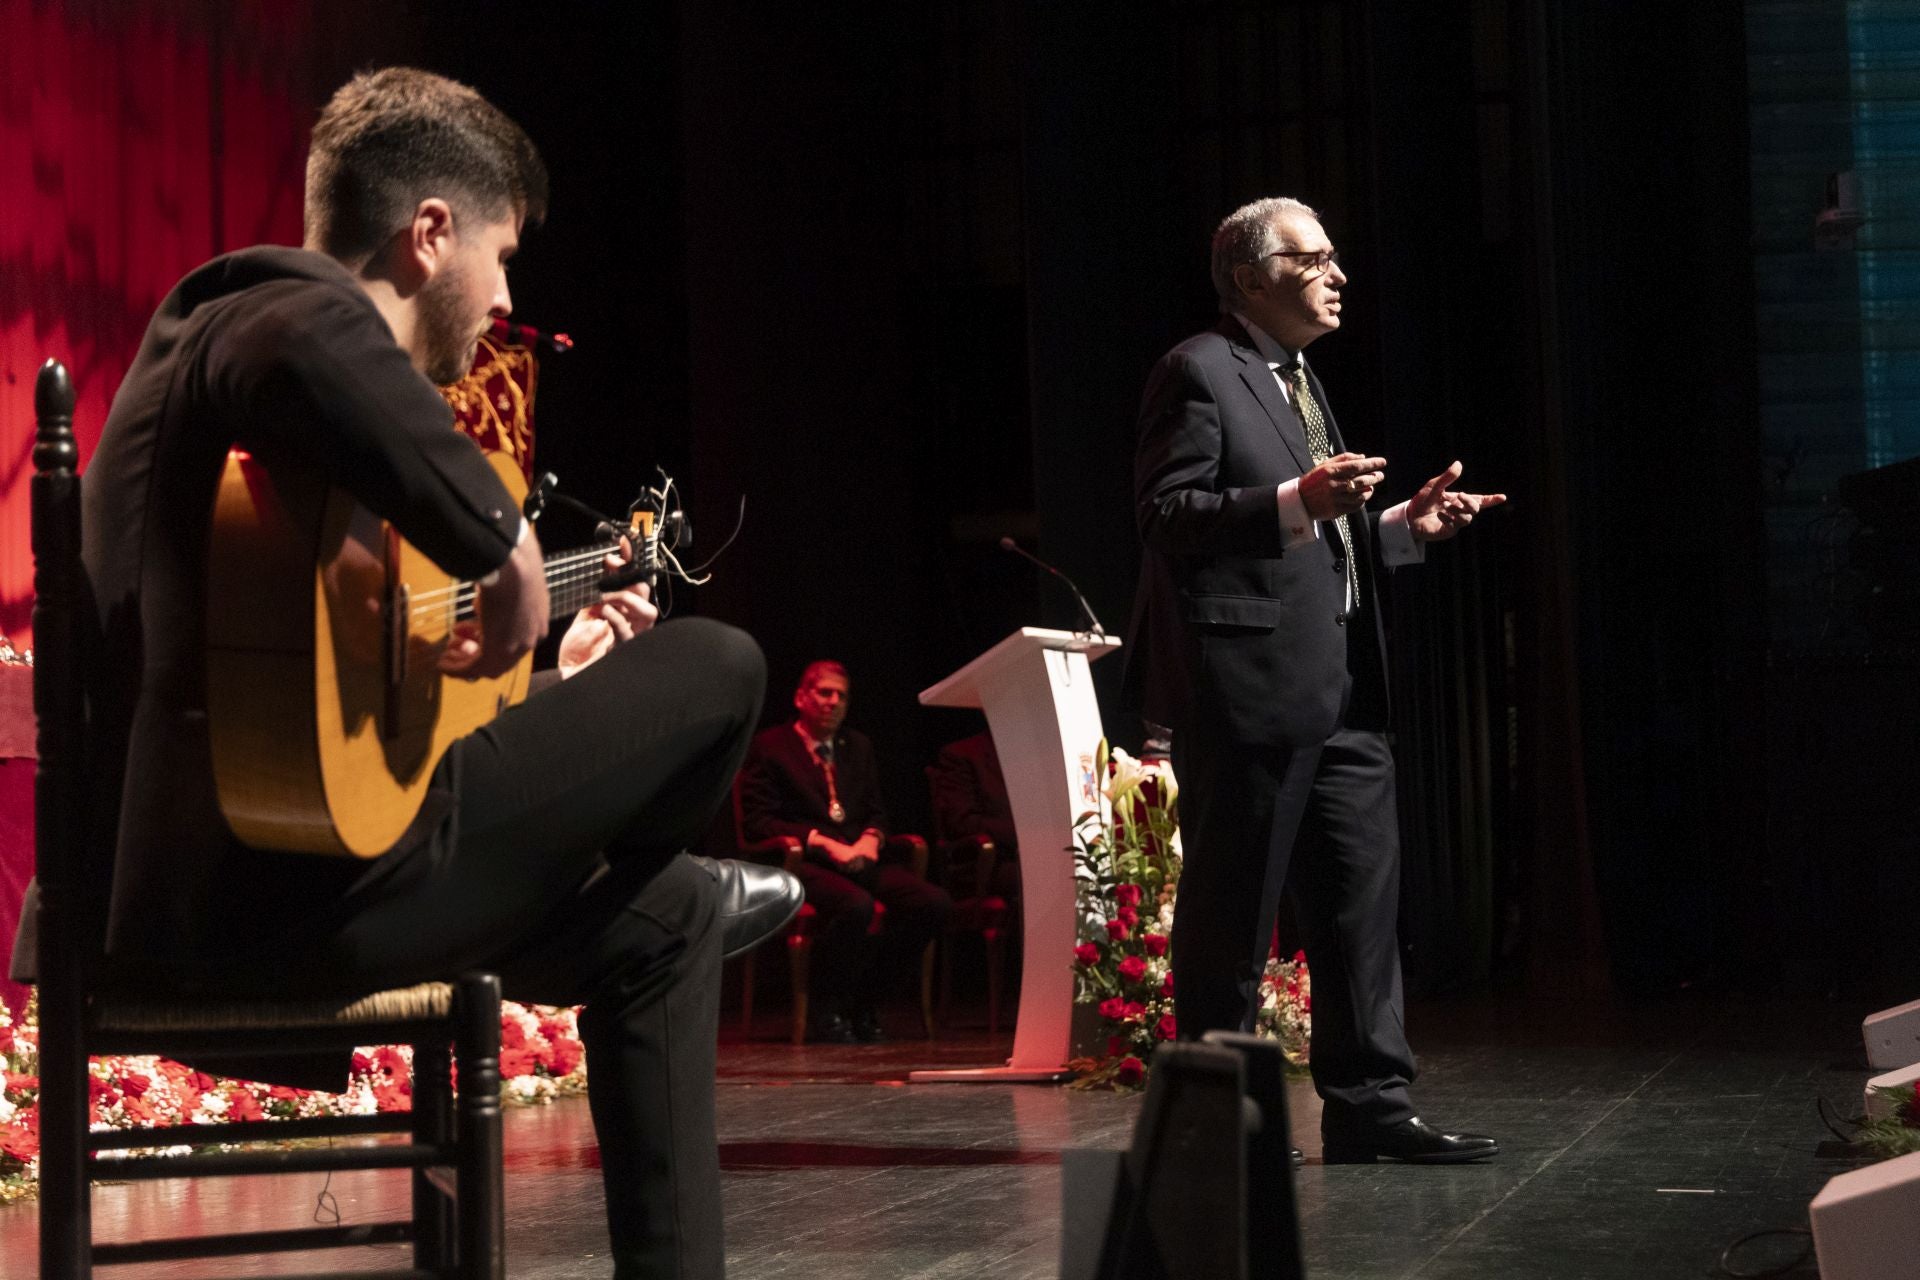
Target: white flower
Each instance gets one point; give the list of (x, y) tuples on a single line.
[(1128, 774)]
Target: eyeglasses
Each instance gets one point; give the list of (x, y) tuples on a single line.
[(1316, 261)]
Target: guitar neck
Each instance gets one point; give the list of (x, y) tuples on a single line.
[(572, 577)]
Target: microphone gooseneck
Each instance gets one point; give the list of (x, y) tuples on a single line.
[(1093, 622)]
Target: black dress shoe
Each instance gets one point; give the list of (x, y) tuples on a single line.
[(1298, 1157), (755, 902), (834, 1028), (867, 1029), (1413, 1141)]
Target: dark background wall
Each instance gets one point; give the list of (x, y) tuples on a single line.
[(895, 274)]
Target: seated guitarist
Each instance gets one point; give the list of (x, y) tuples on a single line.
[(548, 849)]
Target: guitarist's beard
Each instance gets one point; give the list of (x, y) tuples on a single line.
[(448, 334)]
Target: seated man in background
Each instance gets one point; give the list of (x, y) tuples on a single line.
[(970, 799), (814, 781)]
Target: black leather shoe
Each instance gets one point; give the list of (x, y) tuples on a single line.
[(1413, 1141), (832, 1029), (1298, 1157), (756, 902), (867, 1029)]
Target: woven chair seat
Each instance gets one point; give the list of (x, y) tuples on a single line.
[(425, 1001)]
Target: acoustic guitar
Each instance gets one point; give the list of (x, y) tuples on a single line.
[(326, 706)]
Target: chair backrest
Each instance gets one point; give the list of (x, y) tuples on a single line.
[(70, 907)]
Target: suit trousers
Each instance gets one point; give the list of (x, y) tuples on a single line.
[(848, 960), (561, 869), (1253, 815)]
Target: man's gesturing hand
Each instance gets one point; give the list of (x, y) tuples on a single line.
[(1436, 513), (1341, 485), (513, 617)]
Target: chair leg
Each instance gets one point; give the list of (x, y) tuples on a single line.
[(996, 944), (926, 987), (946, 986), (434, 1216), (477, 1044), (799, 962), (66, 1192)]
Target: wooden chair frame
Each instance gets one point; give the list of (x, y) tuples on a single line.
[(457, 1225)]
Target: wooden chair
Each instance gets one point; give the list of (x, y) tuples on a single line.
[(788, 852), (456, 1227), (970, 864)]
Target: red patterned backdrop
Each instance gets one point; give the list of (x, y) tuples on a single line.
[(136, 141)]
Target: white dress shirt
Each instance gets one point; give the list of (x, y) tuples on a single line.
[(1398, 546)]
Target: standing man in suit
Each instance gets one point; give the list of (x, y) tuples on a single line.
[(815, 780), (1257, 638)]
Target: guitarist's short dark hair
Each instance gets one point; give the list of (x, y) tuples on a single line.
[(391, 138)]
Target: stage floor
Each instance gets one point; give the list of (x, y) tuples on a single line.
[(1637, 1143)]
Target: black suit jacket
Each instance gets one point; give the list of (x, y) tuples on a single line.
[(783, 791), (970, 793), (1231, 634), (277, 351)]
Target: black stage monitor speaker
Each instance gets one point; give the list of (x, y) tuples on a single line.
[(1206, 1190)]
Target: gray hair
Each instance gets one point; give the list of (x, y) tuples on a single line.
[(1247, 235)]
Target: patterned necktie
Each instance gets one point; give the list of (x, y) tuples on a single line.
[(1321, 448), (823, 752)]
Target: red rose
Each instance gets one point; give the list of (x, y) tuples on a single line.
[(566, 1056), (554, 1030), (6, 1037), (1128, 916), (202, 1081), (242, 1105), (1117, 1046), (1133, 968), (1156, 943), (135, 1086), (22, 1137), (1086, 955), (1299, 957), (283, 1093), (1166, 1029), (515, 1063), (512, 1034), (362, 1064), (1128, 895), (1130, 1072), (1117, 930), (1113, 1010), (1135, 1009), (1166, 988)]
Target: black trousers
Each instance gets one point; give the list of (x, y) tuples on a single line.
[(1250, 817), (559, 867), (850, 963)]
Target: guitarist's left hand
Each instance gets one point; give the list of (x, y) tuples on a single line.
[(616, 619)]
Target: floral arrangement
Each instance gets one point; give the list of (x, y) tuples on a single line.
[(1127, 868), (540, 1059), (1897, 1131)]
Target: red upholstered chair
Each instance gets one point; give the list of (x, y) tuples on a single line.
[(787, 852), (970, 864)]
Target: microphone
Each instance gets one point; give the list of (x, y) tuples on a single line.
[(1008, 544), (525, 335)]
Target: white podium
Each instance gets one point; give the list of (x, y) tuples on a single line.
[(1038, 695)]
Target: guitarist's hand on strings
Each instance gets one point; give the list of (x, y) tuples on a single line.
[(513, 617), (616, 619)]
